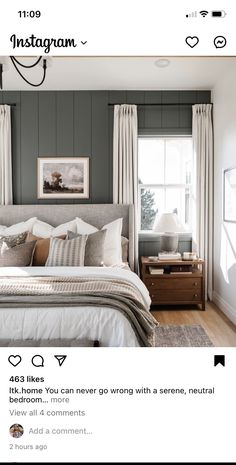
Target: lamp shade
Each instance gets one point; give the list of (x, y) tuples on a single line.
[(168, 222)]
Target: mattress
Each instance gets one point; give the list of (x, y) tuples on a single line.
[(107, 325)]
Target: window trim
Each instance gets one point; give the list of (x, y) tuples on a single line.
[(162, 186)]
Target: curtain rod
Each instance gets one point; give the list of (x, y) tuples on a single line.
[(157, 104)]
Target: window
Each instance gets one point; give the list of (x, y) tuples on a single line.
[(165, 179)]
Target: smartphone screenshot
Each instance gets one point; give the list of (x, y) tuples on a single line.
[(117, 231)]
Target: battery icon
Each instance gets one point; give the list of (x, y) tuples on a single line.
[(218, 14)]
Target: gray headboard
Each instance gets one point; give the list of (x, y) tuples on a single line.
[(95, 214)]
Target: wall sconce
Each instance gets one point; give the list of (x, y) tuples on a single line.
[(17, 64)]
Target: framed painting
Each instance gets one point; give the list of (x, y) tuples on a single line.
[(229, 206), (63, 178)]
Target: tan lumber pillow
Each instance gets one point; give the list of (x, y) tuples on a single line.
[(42, 248)]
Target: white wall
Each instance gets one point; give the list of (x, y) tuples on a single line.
[(224, 99)]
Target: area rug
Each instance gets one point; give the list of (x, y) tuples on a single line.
[(182, 336)]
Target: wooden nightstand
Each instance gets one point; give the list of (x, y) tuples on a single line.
[(178, 282)]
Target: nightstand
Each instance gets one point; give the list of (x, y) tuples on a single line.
[(174, 282)]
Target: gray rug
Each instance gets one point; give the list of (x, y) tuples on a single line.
[(182, 336)]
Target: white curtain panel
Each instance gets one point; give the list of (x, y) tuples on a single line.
[(203, 196), (5, 156), (125, 163)]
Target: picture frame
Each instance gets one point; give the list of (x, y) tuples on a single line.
[(229, 190), (63, 177)]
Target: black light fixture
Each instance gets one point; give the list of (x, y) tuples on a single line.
[(16, 63)]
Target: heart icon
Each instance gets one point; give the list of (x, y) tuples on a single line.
[(14, 360), (192, 41)]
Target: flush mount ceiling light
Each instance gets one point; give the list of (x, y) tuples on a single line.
[(162, 62), (41, 61)]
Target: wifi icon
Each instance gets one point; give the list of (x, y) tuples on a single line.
[(203, 13)]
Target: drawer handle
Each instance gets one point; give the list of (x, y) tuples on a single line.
[(195, 295), (195, 284), (152, 284)]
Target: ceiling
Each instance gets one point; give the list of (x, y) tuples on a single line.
[(112, 73)]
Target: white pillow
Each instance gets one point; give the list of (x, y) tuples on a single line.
[(112, 244), (18, 228), (84, 228), (2, 229), (42, 229)]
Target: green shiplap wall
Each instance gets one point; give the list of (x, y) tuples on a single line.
[(80, 123)]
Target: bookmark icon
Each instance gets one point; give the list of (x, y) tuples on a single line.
[(219, 360)]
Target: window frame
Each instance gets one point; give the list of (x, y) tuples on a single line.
[(166, 185)]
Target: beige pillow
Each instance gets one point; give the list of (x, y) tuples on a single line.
[(41, 249), (20, 255)]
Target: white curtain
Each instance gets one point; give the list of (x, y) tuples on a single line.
[(125, 163), (203, 160), (5, 156)]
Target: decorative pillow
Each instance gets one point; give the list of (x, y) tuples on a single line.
[(45, 230), (94, 249), (41, 249), (67, 253), (14, 240), (20, 255), (83, 227), (18, 228), (112, 244), (125, 249)]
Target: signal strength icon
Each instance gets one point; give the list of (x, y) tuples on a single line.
[(192, 15), (203, 13)]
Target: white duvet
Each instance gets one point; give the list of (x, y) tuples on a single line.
[(107, 325)]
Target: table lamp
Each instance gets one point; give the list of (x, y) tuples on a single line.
[(169, 225)]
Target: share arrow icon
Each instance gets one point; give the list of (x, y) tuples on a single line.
[(60, 359)]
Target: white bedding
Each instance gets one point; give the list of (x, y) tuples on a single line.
[(107, 325)]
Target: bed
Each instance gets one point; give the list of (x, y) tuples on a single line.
[(83, 305)]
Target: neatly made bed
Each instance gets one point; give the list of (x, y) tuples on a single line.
[(105, 304)]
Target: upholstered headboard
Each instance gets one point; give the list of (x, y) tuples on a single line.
[(95, 214)]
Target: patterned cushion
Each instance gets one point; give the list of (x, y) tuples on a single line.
[(67, 253), (20, 255), (94, 250), (12, 241)]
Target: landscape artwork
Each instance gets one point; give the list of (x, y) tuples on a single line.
[(63, 178)]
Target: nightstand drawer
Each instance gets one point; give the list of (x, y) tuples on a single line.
[(175, 296), (173, 283)]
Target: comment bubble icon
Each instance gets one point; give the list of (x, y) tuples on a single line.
[(37, 361)]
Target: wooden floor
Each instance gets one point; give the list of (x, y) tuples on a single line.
[(219, 328)]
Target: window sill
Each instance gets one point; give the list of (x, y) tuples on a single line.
[(151, 236)]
